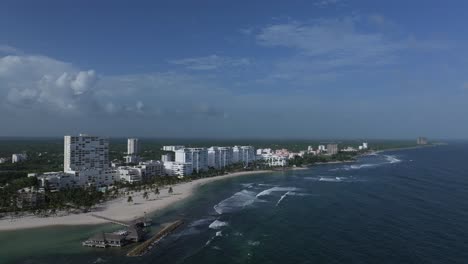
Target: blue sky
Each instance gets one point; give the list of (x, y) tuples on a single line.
[(281, 69)]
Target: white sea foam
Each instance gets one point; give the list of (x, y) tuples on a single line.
[(209, 241), (331, 179), (392, 159), (253, 243), (236, 202), (389, 159), (218, 224), (282, 197), (298, 194), (201, 222), (276, 189), (99, 260)]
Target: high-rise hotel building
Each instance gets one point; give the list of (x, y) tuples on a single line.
[(85, 152), (133, 146)]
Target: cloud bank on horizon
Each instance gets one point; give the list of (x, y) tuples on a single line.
[(309, 70)]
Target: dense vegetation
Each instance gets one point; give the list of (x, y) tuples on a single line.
[(309, 159)]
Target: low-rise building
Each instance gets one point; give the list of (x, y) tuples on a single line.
[(132, 159), (172, 148), (274, 160), (29, 197), (129, 174), (180, 169), (150, 169), (350, 149)]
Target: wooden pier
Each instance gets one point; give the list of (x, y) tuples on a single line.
[(142, 249), (111, 220)]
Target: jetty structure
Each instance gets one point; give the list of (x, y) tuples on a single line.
[(134, 231), (143, 248)]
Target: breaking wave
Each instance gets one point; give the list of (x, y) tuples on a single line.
[(389, 159), (236, 202), (201, 222), (276, 189), (282, 197), (218, 224), (392, 159), (331, 179)]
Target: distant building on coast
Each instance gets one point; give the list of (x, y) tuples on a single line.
[(133, 149), (421, 141), (197, 156), (19, 157), (85, 152), (332, 149)]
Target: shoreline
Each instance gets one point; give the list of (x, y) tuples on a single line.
[(120, 209), (404, 148)]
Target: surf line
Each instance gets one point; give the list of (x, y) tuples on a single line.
[(282, 197)]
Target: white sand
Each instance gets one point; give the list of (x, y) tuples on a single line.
[(119, 209)]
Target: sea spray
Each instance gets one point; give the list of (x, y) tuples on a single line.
[(218, 224), (236, 202), (276, 189)]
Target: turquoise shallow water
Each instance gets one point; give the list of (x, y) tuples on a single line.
[(408, 206)]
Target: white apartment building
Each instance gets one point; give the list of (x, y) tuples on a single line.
[(55, 180), (219, 157), (365, 145), (170, 156), (198, 157), (129, 174), (247, 154), (172, 148), (244, 154), (214, 157), (235, 154), (18, 157), (273, 160), (132, 159), (322, 148), (332, 149), (150, 169), (85, 152), (133, 147), (225, 156), (180, 169)]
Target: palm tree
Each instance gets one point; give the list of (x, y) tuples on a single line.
[(170, 190), (130, 199)]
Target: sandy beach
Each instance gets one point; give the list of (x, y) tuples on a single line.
[(119, 209)]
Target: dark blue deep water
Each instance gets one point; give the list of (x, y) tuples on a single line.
[(406, 206)]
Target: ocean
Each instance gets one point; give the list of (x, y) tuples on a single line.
[(404, 206)]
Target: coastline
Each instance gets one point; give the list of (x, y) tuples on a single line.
[(403, 148), (120, 209)]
